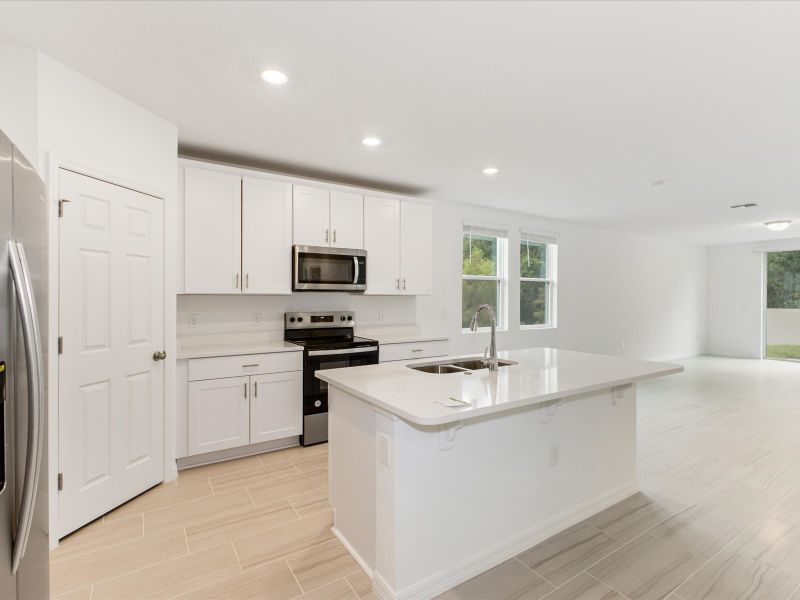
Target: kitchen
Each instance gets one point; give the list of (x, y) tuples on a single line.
[(294, 308)]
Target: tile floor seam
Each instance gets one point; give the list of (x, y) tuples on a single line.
[(296, 580), (186, 539), (626, 597), (586, 569), (236, 554), (532, 570)]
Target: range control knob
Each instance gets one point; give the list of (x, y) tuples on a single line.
[(349, 317), (317, 403), (341, 318), (291, 319), (299, 319)]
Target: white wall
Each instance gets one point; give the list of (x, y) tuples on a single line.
[(734, 312), (18, 98), (612, 288), (93, 130)]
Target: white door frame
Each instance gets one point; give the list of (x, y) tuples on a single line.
[(54, 163)]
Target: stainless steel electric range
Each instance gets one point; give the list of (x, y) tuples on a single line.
[(328, 343)]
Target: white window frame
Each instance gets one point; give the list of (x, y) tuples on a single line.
[(551, 241), (502, 272)]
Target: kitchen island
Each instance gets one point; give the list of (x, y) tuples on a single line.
[(435, 478)]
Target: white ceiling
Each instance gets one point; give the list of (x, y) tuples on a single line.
[(580, 105)]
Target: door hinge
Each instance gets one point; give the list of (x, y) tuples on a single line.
[(61, 206), (60, 482), (60, 345)]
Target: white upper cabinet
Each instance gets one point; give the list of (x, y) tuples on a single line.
[(347, 220), (382, 243), (266, 236), (212, 232), (398, 237), (416, 248), (311, 216)]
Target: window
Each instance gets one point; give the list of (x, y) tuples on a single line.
[(483, 274), (537, 254)]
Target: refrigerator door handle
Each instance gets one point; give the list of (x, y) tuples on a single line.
[(26, 303)]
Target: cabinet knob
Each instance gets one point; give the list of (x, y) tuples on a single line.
[(159, 355)]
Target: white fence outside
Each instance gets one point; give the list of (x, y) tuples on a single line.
[(783, 326)]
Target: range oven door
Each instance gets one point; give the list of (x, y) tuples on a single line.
[(315, 391), (329, 269)]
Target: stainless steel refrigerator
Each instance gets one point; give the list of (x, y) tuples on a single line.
[(23, 379)]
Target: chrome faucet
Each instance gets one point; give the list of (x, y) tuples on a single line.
[(491, 360)]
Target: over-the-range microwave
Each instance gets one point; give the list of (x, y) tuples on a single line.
[(320, 268)]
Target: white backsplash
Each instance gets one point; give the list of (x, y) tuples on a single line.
[(212, 314)]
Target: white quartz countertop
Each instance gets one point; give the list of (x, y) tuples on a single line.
[(541, 375), (230, 345), (410, 338)]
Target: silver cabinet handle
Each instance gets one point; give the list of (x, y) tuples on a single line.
[(404, 284), (159, 355), (255, 390), (334, 236), (247, 281), (26, 303), (397, 284), (253, 365), (326, 236), (357, 269), (417, 350), (245, 391), (237, 282)]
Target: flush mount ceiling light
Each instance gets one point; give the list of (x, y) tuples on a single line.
[(777, 225), (490, 171), (746, 205), (274, 77), (371, 141)]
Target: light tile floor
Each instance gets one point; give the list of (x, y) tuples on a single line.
[(718, 516)]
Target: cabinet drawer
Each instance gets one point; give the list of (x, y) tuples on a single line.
[(245, 364), (412, 350)]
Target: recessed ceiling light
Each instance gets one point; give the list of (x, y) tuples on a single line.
[(371, 141), (490, 171), (746, 205), (659, 182), (777, 225), (274, 77)]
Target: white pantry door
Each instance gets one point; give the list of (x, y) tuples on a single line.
[(111, 319)]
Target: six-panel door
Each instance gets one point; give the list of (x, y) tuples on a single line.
[(276, 406), (219, 414)]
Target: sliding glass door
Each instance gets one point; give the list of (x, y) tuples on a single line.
[(783, 305)]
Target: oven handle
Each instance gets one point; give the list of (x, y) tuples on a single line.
[(355, 262), (343, 351)]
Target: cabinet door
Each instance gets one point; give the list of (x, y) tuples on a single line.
[(266, 236), (276, 406), (416, 248), (311, 221), (219, 414), (347, 220), (382, 243), (212, 232)]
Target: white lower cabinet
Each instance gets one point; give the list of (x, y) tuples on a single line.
[(219, 414), (233, 401), (275, 412)]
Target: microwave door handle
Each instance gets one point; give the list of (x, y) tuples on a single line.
[(26, 303), (355, 262)]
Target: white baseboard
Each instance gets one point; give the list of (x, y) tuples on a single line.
[(356, 556), (198, 460), (493, 556)]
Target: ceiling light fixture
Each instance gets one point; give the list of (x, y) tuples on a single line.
[(274, 77), (745, 205), (490, 171), (371, 141), (777, 225)]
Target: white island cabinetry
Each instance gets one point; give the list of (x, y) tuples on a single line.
[(426, 496)]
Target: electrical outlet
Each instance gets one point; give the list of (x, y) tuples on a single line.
[(194, 319), (258, 319), (555, 454)]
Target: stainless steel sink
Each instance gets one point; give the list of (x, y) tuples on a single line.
[(464, 366)]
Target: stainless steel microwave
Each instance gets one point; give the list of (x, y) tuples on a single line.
[(322, 268)]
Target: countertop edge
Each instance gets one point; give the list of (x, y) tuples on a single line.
[(489, 410), (188, 355)]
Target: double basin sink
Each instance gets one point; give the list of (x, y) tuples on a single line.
[(463, 365)]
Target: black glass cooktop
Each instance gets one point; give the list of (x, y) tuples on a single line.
[(334, 343)]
